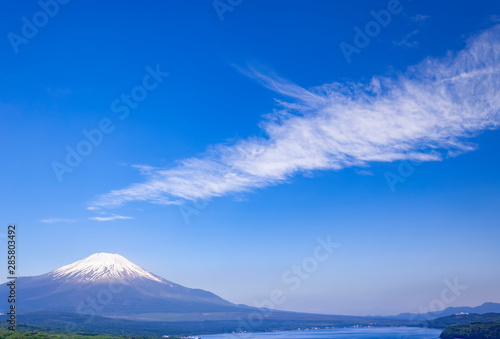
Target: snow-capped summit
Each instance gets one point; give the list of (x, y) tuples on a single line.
[(101, 266)]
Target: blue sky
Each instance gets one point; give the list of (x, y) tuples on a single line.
[(262, 137)]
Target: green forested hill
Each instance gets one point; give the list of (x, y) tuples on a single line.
[(489, 330), (32, 332), (461, 319)]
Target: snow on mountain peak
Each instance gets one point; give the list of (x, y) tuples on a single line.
[(103, 266)]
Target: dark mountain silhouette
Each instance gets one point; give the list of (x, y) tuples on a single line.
[(487, 307)]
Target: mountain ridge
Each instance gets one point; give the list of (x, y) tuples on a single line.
[(486, 307)]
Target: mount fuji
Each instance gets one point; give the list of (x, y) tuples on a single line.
[(110, 285)]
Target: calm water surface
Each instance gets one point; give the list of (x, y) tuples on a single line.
[(341, 333)]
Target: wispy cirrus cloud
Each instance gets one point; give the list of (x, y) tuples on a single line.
[(409, 39), (427, 113), (57, 220), (419, 18), (111, 217)]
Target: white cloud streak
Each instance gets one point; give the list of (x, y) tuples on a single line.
[(425, 114), (57, 220), (110, 218)]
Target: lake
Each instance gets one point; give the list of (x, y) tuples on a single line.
[(339, 333)]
